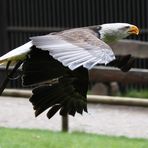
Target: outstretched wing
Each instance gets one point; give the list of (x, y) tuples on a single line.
[(75, 48)]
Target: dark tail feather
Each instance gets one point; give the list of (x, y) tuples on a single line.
[(53, 111), (61, 96)]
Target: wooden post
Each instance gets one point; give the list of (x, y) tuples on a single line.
[(65, 123)]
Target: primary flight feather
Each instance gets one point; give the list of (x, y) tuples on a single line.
[(57, 64)]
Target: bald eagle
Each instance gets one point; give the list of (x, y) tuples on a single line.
[(57, 65)]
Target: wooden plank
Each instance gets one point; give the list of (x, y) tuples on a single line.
[(17, 93), (115, 100), (137, 49), (109, 74), (91, 98)]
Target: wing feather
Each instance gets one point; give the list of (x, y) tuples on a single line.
[(17, 54), (74, 53)]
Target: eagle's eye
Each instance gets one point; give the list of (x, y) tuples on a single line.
[(127, 27)]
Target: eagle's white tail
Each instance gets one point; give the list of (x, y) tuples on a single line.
[(16, 54)]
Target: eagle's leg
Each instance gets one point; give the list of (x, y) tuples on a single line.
[(10, 75)]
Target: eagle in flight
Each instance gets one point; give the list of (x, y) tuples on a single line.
[(56, 65)]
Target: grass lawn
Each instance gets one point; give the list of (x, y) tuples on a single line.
[(24, 138), (137, 94)]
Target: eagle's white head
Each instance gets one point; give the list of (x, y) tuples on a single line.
[(115, 31)]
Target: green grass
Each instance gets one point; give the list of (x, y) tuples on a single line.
[(137, 94), (24, 138)]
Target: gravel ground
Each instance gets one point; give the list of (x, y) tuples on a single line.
[(101, 119)]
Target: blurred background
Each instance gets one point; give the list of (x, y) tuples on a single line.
[(21, 19)]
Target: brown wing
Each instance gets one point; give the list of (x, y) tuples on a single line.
[(75, 48)]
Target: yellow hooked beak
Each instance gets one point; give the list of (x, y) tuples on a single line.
[(133, 30)]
